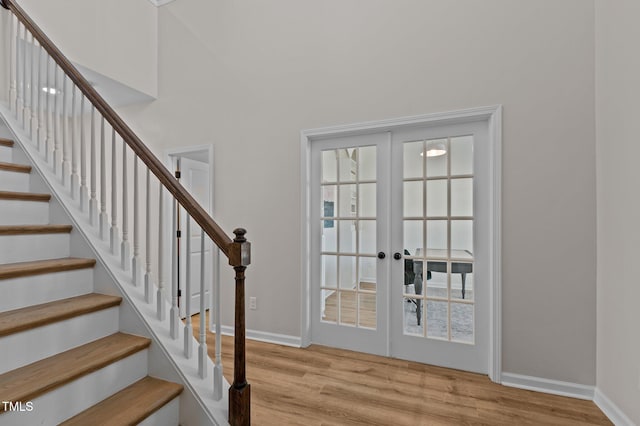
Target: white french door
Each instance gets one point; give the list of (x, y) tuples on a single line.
[(439, 287), (349, 224), (400, 243)]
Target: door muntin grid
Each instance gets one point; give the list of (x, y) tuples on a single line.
[(348, 284), (438, 291)]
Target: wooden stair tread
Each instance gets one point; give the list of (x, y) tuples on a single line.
[(25, 196), (34, 229), (6, 142), (28, 382), (46, 313), (13, 167), (130, 406), (37, 267)]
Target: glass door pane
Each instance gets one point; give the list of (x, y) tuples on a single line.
[(438, 299), (349, 236)]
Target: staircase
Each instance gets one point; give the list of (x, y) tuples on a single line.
[(63, 358)]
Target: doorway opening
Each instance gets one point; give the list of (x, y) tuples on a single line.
[(193, 167)]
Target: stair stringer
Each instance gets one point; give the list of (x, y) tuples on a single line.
[(166, 359)]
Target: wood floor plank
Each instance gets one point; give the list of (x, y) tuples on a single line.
[(34, 229), (37, 267), (129, 406), (12, 167), (30, 381), (24, 196), (321, 386), (38, 315)]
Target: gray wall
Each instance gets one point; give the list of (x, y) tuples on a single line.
[(618, 127)]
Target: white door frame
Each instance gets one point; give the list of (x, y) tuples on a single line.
[(493, 116), (169, 154)]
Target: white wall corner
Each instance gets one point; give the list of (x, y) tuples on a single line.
[(554, 387), (611, 410), (160, 2)]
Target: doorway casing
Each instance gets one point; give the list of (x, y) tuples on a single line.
[(202, 153), (493, 116)]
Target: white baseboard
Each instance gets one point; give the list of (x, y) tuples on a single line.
[(555, 387), (611, 410), (263, 336)]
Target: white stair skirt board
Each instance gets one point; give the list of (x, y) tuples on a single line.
[(29, 346), (13, 181), (168, 415), (30, 247), (19, 212), (6, 154), (611, 410), (66, 401), (37, 289), (554, 387)]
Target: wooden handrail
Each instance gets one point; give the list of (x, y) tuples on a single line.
[(202, 218)]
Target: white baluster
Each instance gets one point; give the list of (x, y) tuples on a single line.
[(40, 131), (57, 154), (215, 307), (162, 313), (174, 314), (13, 66), (135, 262), (19, 75), (75, 178), (104, 219), (202, 349), (84, 191), (25, 113), (66, 165), (148, 284), (188, 328), (115, 247), (33, 123), (48, 143), (93, 201), (125, 249)]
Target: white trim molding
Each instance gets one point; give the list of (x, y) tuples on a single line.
[(493, 116), (554, 387), (264, 336), (611, 410)]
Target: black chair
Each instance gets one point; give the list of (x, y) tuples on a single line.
[(413, 275)]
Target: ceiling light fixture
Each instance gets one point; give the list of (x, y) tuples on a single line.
[(435, 149)]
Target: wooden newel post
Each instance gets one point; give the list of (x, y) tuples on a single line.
[(240, 390)]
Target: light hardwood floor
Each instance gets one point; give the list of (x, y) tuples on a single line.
[(325, 386)]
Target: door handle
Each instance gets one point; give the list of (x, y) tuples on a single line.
[(381, 255), (397, 256)]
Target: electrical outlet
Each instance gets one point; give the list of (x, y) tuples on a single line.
[(253, 303)]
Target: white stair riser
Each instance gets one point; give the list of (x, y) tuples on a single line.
[(19, 212), (24, 248), (13, 181), (33, 290), (168, 415), (6, 154), (66, 401), (29, 346)]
